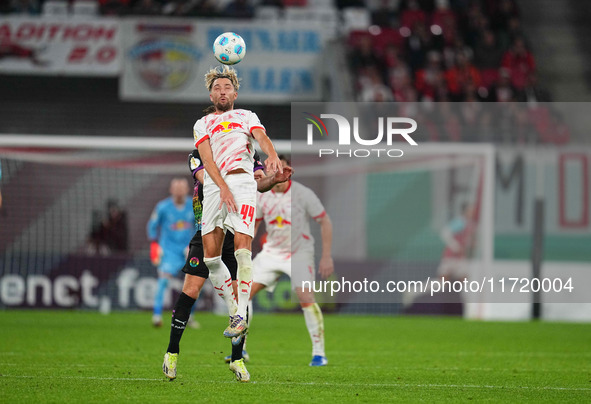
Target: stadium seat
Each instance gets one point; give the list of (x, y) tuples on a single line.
[(55, 8)]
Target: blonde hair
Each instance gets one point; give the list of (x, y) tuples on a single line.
[(225, 72)]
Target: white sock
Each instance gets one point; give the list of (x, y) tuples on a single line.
[(220, 278), (244, 259), (315, 324)]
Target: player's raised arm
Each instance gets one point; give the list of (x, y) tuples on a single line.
[(212, 170), (265, 183), (272, 163)]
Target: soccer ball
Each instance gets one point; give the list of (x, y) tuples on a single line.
[(229, 48)]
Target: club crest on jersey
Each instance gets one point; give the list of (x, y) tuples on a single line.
[(280, 222), (226, 127), (180, 225)]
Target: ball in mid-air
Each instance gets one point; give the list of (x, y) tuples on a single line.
[(229, 48)]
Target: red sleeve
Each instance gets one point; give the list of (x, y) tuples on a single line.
[(201, 141), (256, 127), (320, 216)]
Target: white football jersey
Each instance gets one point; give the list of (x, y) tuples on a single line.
[(287, 219), (230, 136)]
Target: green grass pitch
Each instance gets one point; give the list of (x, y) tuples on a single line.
[(80, 356)]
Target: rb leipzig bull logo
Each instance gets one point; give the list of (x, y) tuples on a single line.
[(226, 127), (280, 222)]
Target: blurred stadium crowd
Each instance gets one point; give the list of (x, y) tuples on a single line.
[(439, 50), (445, 50), (397, 50), (187, 8)]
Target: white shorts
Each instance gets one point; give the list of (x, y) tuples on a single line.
[(268, 267), (243, 188)]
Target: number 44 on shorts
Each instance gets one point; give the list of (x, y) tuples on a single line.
[(247, 212)]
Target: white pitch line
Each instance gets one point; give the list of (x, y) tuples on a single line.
[(141, 379), (526, 354), (397, 368), (405, 385)]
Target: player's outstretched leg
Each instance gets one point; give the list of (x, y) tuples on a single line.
[(240, 371), (180, 317), (238, 325), (222, 282), (315, 325)]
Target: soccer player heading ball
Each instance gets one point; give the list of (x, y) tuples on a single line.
[(225, 140)]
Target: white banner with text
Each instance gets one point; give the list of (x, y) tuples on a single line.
[(165, 60), (44, 46)]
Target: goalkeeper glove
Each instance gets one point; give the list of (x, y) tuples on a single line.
[(155, 253)]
